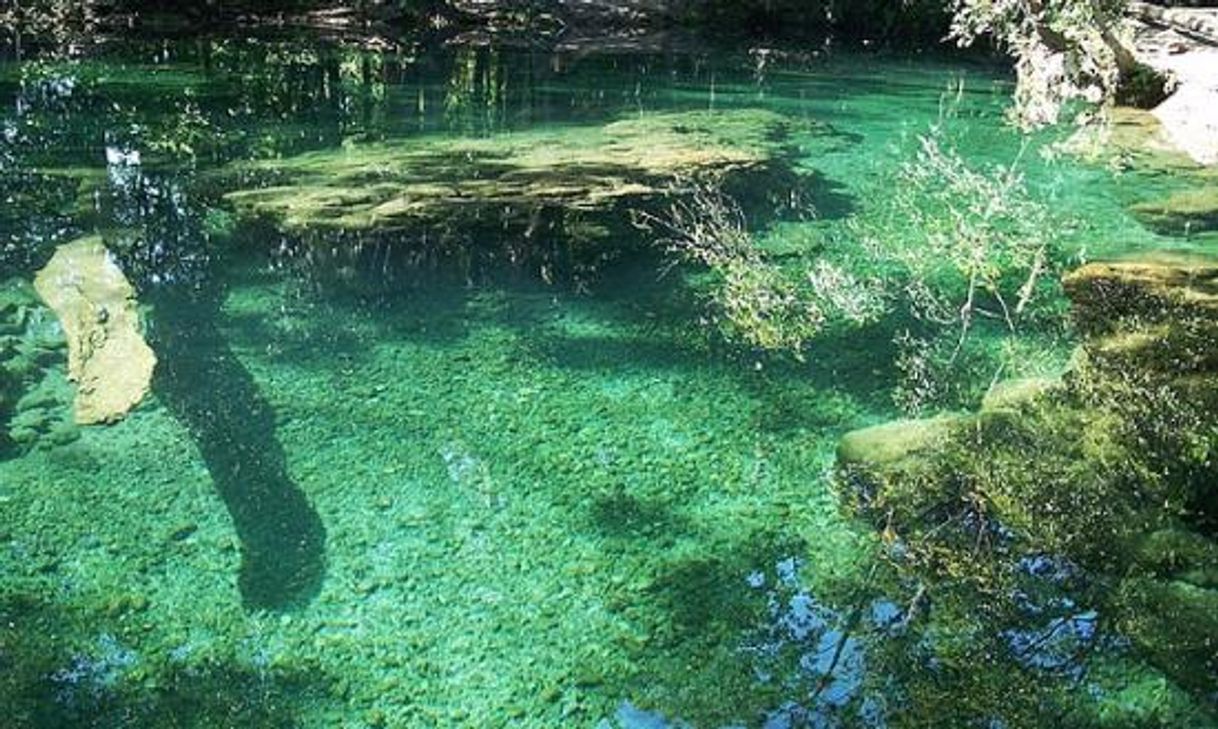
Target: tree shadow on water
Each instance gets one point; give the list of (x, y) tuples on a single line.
[(74, 667), (206, 387)]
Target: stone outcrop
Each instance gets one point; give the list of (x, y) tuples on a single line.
[(1183, 44), (108, 358)]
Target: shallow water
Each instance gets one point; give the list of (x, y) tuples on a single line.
[(457, 494)]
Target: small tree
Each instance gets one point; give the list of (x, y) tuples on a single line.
[(1063, 49)]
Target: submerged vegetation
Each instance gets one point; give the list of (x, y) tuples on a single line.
[(387, 374)]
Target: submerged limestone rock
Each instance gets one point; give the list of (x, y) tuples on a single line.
[(402, 184), (108, 358), (556, 202), (1154, 317), (1129, 138), (890, 444), (1108, 470), (1155, 287), (1013, 395), (1136, 141), (1185, 212)]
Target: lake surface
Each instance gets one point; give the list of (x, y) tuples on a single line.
[(506, 483)]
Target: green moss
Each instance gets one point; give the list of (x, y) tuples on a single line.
[(1129, 695), (1180, 553), (1176, 625)]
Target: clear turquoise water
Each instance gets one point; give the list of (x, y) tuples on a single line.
[(465, 497)]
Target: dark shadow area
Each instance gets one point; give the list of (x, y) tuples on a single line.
[(205, 386), (66, 668), (620, 514), (830, 199), (707, 595)]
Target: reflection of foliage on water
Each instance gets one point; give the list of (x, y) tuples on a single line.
[(475, 87), (818, 654)]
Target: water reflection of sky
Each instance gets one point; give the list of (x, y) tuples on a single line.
[(816, 652)]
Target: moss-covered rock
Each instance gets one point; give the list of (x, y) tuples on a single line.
[(1108, 470), (107, 355), (1154, 317), (1014, 395), (399, 184), (891, 444), (1129, 138), (1175, 624)]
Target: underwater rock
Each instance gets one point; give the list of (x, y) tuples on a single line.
[(1185, 212), (398, 185), (1161, 286), (889, 444), (1014, 394), (560, 202), (107, 355), (1155, 315), (1130, 138)]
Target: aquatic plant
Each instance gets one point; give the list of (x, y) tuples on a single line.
[(755, 301), (962, 246)]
